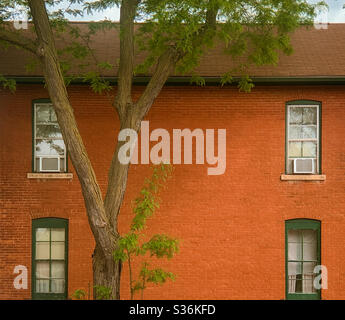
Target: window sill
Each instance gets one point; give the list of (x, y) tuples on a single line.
[(49, 175), (303, 177)]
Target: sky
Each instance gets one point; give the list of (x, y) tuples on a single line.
[(335, 14)]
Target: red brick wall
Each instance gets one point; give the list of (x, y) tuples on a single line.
[(231, 226)]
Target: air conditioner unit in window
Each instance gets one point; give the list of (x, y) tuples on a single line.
[(49, 164), (303, 165)]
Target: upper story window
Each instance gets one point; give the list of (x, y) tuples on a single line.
[(303, 138), (49, 258), (49, 148)]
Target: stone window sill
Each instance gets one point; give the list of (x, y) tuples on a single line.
[(49, 175), (303, 177)]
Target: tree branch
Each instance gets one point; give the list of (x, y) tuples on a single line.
[(117, 177), (165, 66), (17, 39), (131, 114), (125, 75), (167, 62)]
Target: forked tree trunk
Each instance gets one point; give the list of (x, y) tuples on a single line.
[(107, 272)]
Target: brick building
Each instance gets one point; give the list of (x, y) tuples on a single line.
[(255, 232)]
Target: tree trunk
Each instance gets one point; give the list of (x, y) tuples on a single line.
[(105, 233), (102, 216), (106, 273)]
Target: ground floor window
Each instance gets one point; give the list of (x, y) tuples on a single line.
[(49, 258), (302, 256)]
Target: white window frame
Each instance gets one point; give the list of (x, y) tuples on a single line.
[(64, 156), (317, 140)]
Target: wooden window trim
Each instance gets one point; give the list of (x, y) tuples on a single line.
[(33, 124), (319, 153), (48, 223), (296, 224)]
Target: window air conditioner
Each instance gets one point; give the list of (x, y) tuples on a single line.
[(303, 165), (49, 164)]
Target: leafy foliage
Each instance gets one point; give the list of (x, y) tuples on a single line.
[(79, 294), (103, 293), (7, 83), (159, 246), (255, 31)]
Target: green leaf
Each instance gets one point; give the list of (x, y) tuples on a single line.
[(79, 294), (245, 84), (159, 276), (161, 245), (9, 84), (103, 293)]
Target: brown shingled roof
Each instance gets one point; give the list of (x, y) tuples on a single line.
[(317, 53)]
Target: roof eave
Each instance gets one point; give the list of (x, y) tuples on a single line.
[(209, 80)]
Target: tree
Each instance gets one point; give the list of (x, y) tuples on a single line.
[(159, 246), (176, 33)]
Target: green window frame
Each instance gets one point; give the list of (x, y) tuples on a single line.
[(49, 258), (46, 134), (302, 254), (311, 136)]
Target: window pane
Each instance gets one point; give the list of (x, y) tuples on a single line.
[(308, 277), (296, 115), (58, 250), (42, 250), (309, 245), (49, 147), (58, 234), (45, 113), (42, 286), (58, 269), (42, 269), (309, 149), (53, 117), (295, 132), (295, 277), (310, 115), (308, 267), (294, 268), (295, 149), (42, 234), (294, 245), (42, 113), (58, 286), (302, 132), (309, 132), (48, 131)]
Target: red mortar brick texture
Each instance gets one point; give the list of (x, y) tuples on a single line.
[(231, 226)]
